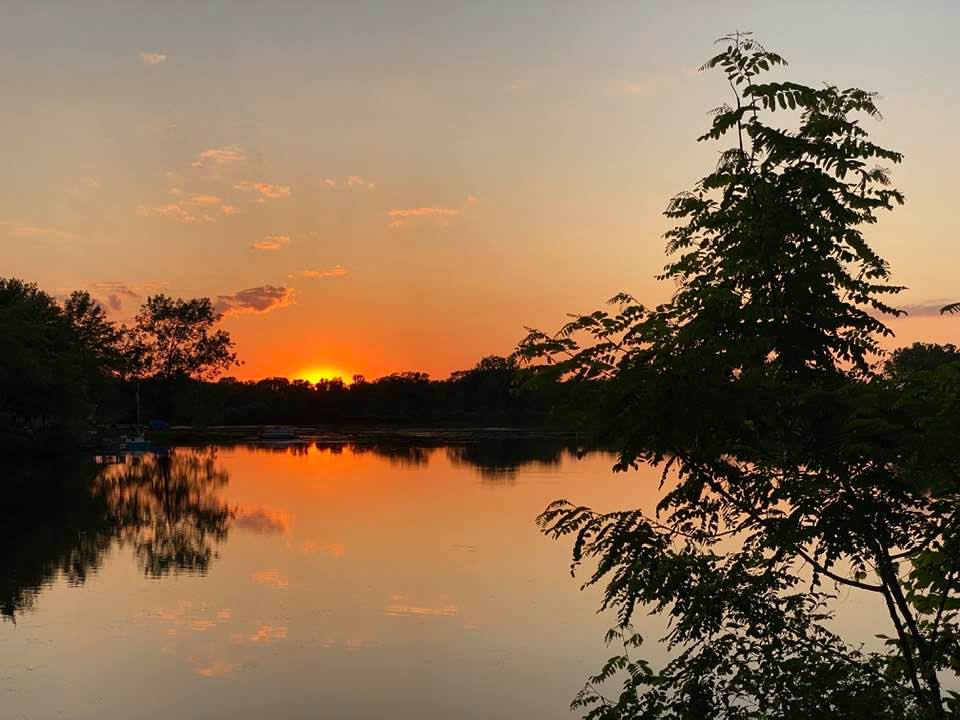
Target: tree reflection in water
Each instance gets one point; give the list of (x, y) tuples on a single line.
[(60, 520), (167, 508)]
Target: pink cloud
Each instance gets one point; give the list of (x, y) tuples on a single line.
[(219, 156), (266, 190), (271, 242), (205, 200), (255, 301), (424, 212), (335, 271), (173, 211)]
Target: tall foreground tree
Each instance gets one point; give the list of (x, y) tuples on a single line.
[(791, 468)]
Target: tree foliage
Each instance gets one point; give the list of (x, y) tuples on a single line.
[(792, 468), (64, 364), (175, 339)]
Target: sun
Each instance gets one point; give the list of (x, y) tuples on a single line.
[(317, 373)]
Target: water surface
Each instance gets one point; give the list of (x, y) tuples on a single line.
[(319, 580), (341, 582)]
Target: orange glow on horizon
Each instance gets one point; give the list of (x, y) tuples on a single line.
[(322, 372)]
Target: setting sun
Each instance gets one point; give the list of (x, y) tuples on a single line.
[(322, 372)]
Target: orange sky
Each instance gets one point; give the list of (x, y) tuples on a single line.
[(366, 188)]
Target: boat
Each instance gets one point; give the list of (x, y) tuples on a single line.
[(279, 433), (137, 443)]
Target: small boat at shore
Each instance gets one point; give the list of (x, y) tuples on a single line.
[(280, 433), (137, 443)]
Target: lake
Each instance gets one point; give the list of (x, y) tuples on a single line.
[(316, 581), (337, 580)]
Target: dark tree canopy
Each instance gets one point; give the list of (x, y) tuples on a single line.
[(792, 470), (176, 339)]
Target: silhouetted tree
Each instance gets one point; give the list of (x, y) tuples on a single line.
[(43, 392), (784, 453), (921, 356), (177, 339)]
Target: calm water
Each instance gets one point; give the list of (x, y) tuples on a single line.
[(342, 583), (337, 582)]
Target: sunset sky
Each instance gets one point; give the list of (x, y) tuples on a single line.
[(370, 187)]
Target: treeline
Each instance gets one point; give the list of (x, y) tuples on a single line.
[(488, 392), (67, 372)]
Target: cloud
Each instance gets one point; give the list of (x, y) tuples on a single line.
[(400, 606), (354, 181), (34, 231), (255, 301), (174, 212), (174, 191), (334, 272), (334, 550), (112, 294), (930, 308), (424, 212), (263, 520), (271, 242), (217, 669), (268, 633), (473, 200), (266, 190), (402, 216), (204, 200), (149, 58), (230, 210), (219, 156), (271, 577)]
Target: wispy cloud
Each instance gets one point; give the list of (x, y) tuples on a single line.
[(266, 190), (268, 633), (334, 272), (152, 58), (230, 210), (217, 669), (36, 231), (402, 216), (219, 156), (351, 181), (334, 550), (271, 242), (930, 308), (473, 200), (205, 200), (255, 301), (424, 212), (174, 211)]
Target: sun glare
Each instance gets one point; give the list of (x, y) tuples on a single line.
[(316, 374)]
